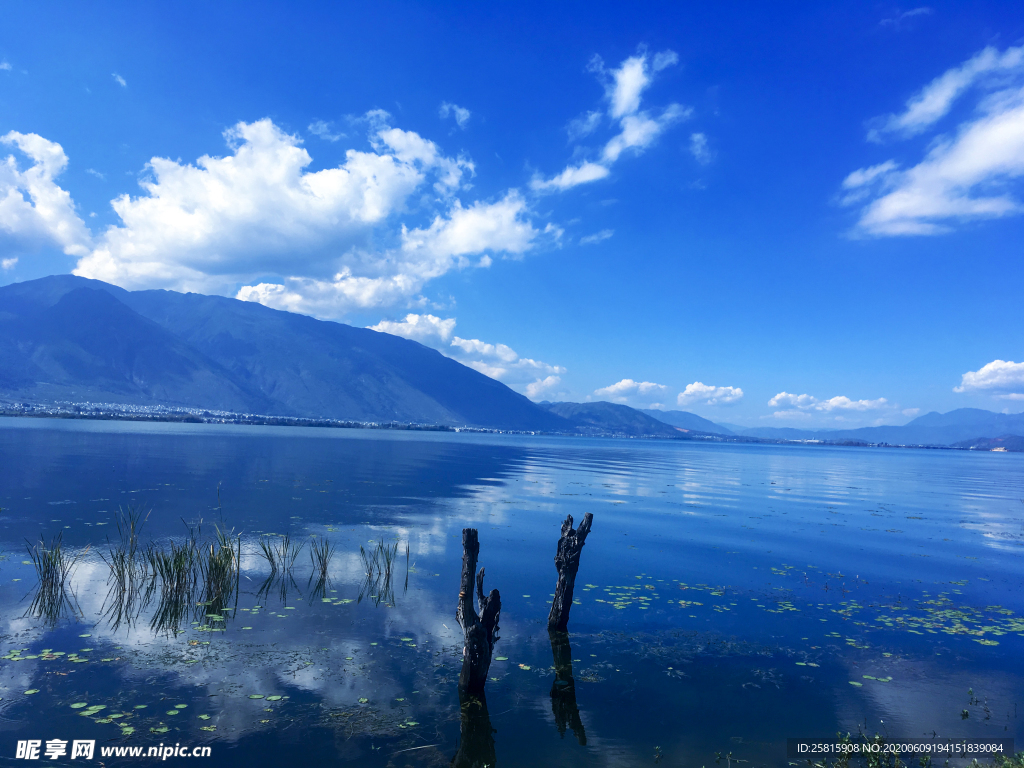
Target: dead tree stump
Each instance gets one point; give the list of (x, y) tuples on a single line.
[(567, 563), (480, 631)]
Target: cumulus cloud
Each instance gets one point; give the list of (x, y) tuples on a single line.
[(597, 237), (34, 211), (964, 175), (461, 114), (7, 264), (541, 386), (1000, 377), (482, 349), (5, 66), (499, 361), (423, 328), (806, 403), (119, 80), (330, 234), (638, 129), (621, 391), (707, 394)]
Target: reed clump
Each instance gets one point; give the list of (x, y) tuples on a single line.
[(280, 552), (379, 567), (128, 569), (54, 566)]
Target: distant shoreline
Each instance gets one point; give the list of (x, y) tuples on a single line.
[(157, 414)]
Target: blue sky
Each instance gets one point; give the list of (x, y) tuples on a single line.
[(782, 215)]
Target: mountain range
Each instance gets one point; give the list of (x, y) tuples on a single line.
[(68, 338)]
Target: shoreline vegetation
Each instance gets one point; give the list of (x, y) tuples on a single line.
[(156, 413)]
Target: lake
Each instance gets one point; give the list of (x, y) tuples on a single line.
[(729, 597)]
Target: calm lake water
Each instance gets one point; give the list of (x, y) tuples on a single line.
[(729, 596)]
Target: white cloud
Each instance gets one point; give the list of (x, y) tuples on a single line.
[(479, 348), (786, 399), (1000, 377), (640, 130), (427, 329), (597, 237), (934, 101), (584, 125), (97, 174), (963, 176), (5, 66), (539, 387), (325, 131), (328, 234), (620, 391), (624, 89), (910, 411), (571, 177), (626, 84), (461, 114), (119, 80), (34, 211), (698, 392), (499, 361), (838, 403), (7, 264), (699, 148)]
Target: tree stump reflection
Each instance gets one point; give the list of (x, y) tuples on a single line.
[(476, 736), (563, 689)]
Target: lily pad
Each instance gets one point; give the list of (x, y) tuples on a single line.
[(127, 730), (141, 706), (173, 712), (204, 717), (255, 695), (207, 727), (181, 706), (79, 704), (161, 729), (273, 698), (854, 682), (30, 691), (364, 700), (501, 658)]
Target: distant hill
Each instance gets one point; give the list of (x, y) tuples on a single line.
[(1014, 443), (930, 429), (70, 338), (611, 418), (687, 420)]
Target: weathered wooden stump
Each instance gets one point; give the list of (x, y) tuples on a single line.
[(476, 736), (567, 563), (563, 689), (480, 631)]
